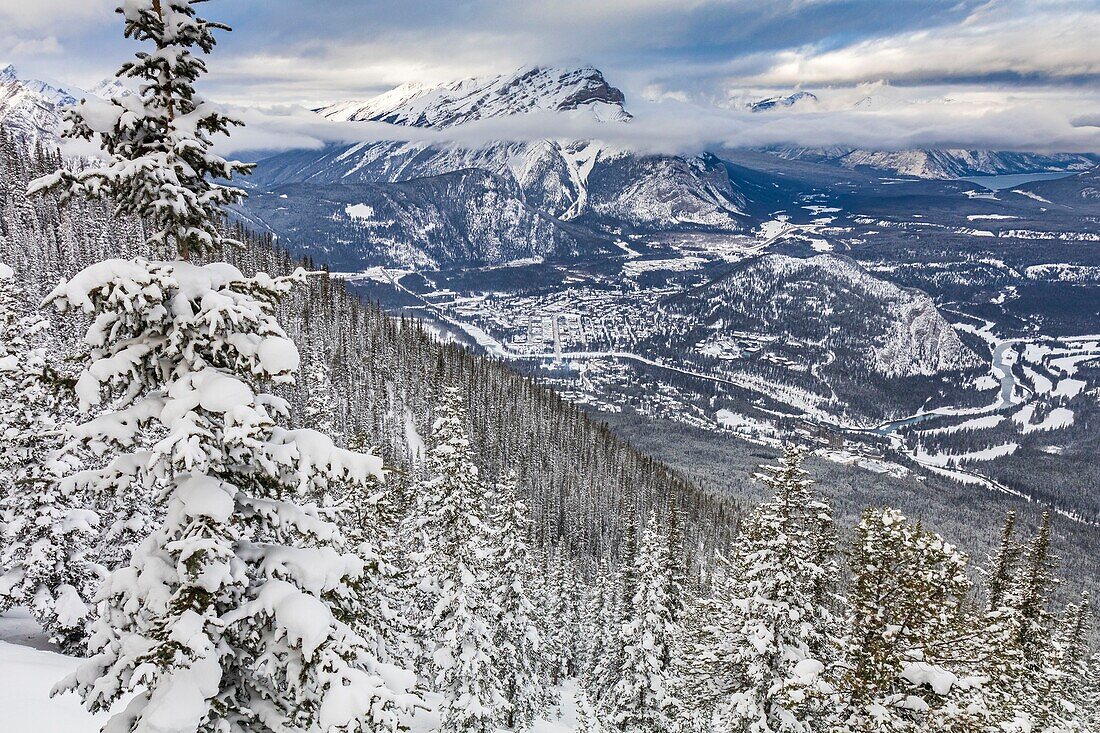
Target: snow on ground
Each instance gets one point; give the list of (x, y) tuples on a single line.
[(1031, 195), (412, 438), (376, 274), (359, 211), (975, 217), (26, 677), (29, 669), (1042, 384), (979, 423), (626, 248), (775, 227), (1059, 417), (1068, 388), (633, 268), (988, 195), (985, 454), (867, 463), (733, 420)]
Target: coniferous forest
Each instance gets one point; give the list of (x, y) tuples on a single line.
[(252, 502)]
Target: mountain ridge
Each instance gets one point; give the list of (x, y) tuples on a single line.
[(528, 89)]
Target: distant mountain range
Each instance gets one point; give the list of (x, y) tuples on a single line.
[(598, 189), (601, 191), (890, 331), (439, 205), (942, 164)]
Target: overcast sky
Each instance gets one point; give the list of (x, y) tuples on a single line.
[(1012, 73)]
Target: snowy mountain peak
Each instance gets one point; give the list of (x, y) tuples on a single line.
[(30, 107), (110, 88), (529, 89), (791, 100)]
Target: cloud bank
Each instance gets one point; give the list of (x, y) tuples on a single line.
[(1010, 74), (868, 116)]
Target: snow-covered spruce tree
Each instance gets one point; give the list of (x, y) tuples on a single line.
[(160, 165), (1090, 693), (1031, 593), (520, 659), (781, 627), (1060, 695), (676, 571), (643, 699), (1002, 565), (318, 412), (905, 602), (561, 612), (601, 633), (586, 716), (454, 560), (618, 612), (46, 558), (1026, 608), (706, 674), (230, 615), (987, 647)]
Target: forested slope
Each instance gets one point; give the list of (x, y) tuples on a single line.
[(367, 374)]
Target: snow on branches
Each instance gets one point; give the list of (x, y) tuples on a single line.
[(46, 561), (157, 142), (229, 614)]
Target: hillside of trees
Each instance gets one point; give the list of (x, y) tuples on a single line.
[(252, 503)]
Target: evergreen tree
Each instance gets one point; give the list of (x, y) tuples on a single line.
[(586, 716), (643, 699), (1003, 565), (781, 627), (1031, 593), (618, 613), (706, 676), (256, 580), (904, 607), (455, 558), (519, 660), (46, 548), (231, 615), (158, 141), (562, 613), (1031, 698), (319, 412), (603, 637), (1061, 692), (1090, 695)]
